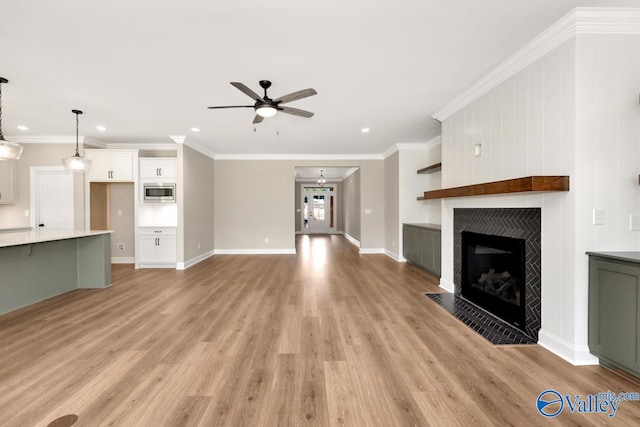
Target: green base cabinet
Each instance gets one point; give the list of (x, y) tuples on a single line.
[(614, 309), (421, 246)]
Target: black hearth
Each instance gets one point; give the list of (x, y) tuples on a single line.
[(493, 275)]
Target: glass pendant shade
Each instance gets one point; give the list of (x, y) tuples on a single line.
[(8, 150), (76, 163), (266, 111), (322, 180)]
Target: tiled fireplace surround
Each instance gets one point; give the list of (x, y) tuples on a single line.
[(519, 223)]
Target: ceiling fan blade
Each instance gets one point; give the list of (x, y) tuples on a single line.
[(295, 96), (257, 119), (244, 89), (296, 112), (231, 106)]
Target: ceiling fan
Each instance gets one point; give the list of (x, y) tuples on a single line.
[(267, 107)]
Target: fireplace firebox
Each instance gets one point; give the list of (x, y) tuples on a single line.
[(493, 275)]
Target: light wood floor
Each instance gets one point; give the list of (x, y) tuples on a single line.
[(325, 337)]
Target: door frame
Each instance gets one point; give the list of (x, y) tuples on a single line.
[(33, 200), (333, 193)]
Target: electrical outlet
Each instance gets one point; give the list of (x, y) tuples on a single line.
[(119, 212), (266, 240), (26, 212), (477, 150), (634, 222), (120, 247), (198, 245)]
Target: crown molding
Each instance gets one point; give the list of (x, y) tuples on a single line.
[(178, 139), (581, 20), (434, 142), (45, 139), (298, 157), (142, 146), (199, 148)]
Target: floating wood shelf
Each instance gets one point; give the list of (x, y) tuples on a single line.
[(516, 185), (431, 169)]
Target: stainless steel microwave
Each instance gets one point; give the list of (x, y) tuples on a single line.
[(159, 193)]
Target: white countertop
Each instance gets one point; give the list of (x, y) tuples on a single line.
[(37, 236), (6, 229)]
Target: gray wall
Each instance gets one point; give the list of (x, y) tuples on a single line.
[(254, 199), (392, 204), (122, 198), (40, 155), (197, 215), (352, 211)]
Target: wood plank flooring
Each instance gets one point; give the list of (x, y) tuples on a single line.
[(326, 337)]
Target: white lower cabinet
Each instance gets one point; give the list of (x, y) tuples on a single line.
[(157, 247)]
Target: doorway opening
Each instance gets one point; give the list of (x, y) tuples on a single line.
[(319, 209)]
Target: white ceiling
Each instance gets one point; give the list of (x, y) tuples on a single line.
[(148, 69)]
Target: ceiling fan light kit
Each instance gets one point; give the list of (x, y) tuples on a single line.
[(8, 150), (267, 107)]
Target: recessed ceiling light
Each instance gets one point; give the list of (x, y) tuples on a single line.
[(365, 130), (21, 127), (195, 129), (101, 128)]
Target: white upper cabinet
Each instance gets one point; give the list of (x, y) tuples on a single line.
[(7, 182), (156, 168), (111, 165)]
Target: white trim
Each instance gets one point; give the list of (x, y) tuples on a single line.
[(323, 157), (393, 255), (50, 139), (144, 265), (166, 146), (350, 172), (194, 260), (406, 146), (447, 285), (576, 355), (178, 139), (353, 240), (199, 148), (369, 251), (434, 142), (254, 251), (580, 20), (123, 260)]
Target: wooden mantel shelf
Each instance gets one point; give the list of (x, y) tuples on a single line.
[(516, 185)]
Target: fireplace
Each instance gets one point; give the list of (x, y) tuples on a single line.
[(493, 275), (515, 223)]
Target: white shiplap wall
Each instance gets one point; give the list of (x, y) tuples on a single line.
[(572, 112)]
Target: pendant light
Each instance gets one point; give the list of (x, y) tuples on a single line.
[(8, 150), (76, 162), (322, 180)]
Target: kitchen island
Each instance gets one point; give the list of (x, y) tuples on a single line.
[(36, 265)]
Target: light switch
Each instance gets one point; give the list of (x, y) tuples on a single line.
[(367, 211), (119, 212), (598, 217), (634, 222), (477, 150)]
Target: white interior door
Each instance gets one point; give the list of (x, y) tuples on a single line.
[(52, 198), (319, 210)]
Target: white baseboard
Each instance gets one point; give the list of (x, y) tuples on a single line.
[(394, 256), (122, 260), (193, 261), (255, 251), (576, 355), (367, 251), (447, 285), (352, 240)]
